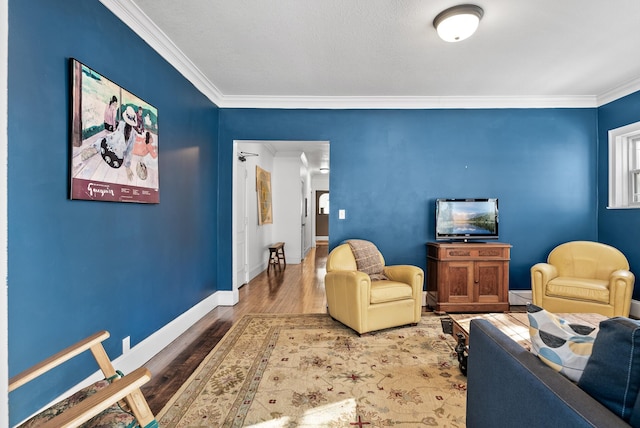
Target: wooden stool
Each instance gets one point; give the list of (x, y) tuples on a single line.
[(276, 253)]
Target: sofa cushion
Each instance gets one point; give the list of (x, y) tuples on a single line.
[(389, 291), (594, 290), (507, 386), (564, 347), (612, 375)]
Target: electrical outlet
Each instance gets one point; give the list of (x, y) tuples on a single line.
[(126, 344), (342, 214)]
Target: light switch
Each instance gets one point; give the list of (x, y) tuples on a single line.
[(342, 214)]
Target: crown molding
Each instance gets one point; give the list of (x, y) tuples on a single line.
[(129, 13), (453, 102), (619, 92)]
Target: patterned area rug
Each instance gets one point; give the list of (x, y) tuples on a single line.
[(311, 371)]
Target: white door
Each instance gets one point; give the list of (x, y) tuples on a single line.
[(303, 222), (242, 275)]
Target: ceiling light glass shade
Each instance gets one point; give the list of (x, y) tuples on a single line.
[(458, 23)]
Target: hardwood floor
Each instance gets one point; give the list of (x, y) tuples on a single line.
[(294, 289)]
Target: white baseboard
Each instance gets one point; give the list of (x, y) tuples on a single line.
[(152, 345), (516, 297), (257, 270), (522, 297), (264, 266), (149, 347)]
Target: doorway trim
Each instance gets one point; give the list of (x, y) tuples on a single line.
[(234, 225)]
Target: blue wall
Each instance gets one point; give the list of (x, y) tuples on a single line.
[(389, 166), (621, 227), (76, 267)]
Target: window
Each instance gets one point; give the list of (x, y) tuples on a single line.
[(624, 167), (323, 204)]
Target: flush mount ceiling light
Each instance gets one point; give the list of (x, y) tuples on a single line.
[(458, 22)]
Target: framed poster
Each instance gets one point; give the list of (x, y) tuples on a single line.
[(263, 187), (114, 141)]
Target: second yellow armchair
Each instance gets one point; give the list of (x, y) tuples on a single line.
[(584, 276)]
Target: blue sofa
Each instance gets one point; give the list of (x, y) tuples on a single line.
[(508, 386)]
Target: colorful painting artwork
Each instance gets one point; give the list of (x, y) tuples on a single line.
[(263, 187), (114, 141)]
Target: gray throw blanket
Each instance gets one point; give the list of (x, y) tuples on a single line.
[(367, 259)]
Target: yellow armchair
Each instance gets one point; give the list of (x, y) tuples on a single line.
[(366, 305), (584, 276)]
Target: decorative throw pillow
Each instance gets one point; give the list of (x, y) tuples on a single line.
[(612, 375), (564, 347), (367, 258)]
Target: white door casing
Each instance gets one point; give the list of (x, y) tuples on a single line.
[(241, 223)]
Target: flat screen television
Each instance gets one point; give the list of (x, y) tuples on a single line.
[(466, 219)]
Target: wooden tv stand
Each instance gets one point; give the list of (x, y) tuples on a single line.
[(468, 277)]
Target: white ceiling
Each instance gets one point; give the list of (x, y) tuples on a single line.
[(386, 53), (316, 152)]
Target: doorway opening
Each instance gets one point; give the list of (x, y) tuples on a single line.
[(294, 219), (322, 216)]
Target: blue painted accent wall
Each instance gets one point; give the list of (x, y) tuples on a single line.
[(389, 166), (619, 228), (76, 267)]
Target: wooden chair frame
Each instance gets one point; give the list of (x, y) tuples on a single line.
[(126, 388)]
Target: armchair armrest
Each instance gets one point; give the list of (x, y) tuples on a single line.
[(352, 285), (620, 291), (104, 399), (348, 297), (541, 274), (412, 275)]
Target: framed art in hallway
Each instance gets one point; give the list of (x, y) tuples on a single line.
[(263, 188), (114, 141)]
